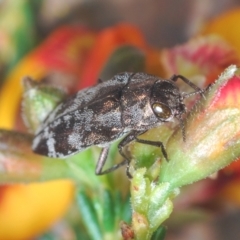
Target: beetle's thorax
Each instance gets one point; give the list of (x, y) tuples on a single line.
[(150, 102)]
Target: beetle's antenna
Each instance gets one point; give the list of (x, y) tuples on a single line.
[(189, 83), (187, 95)]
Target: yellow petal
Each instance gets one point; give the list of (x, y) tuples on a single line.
[(11, 91), (227, 26), (27, 210)]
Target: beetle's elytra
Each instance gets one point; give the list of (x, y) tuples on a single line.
[(126, 106)]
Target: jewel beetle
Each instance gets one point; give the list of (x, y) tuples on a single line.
[(125, 107)]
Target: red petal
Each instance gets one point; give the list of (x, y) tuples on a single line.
[(107, 41)]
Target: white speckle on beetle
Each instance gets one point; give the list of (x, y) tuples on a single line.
[(75, 140), (51, 147)]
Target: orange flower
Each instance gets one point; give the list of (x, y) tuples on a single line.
[(68, 50), (226, 26), (107, 42), (62, 52), (205, 56), (28, 210)]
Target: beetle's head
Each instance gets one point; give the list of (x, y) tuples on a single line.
[(167, 101)]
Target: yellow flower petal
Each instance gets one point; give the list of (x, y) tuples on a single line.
[(11, 91), (27, 210), (227, 26)]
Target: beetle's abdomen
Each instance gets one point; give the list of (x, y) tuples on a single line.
[(96, 124)]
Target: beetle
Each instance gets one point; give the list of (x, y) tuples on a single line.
[(125, 106)]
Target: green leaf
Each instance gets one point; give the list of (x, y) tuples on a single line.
[(159, 234), (126, 213), (108, 212), (89, 215)]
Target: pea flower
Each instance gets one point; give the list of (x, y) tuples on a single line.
[(82, 56)]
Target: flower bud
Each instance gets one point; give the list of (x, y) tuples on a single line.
[(38, 101), (212, 134)]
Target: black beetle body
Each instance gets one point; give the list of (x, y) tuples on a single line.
[(127, 105)]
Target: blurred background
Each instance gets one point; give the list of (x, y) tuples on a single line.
[(163, 23), (25, 24)]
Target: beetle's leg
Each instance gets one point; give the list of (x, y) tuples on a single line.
[(129, 138), (103, 156), (113, 168), (156, 144), (101, 161)]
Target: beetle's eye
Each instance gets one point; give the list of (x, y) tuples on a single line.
[(161, 110)]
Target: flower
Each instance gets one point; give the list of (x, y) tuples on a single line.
[(225, 26), (27, 210), (66, 51), (205, 152), (79, 56)]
